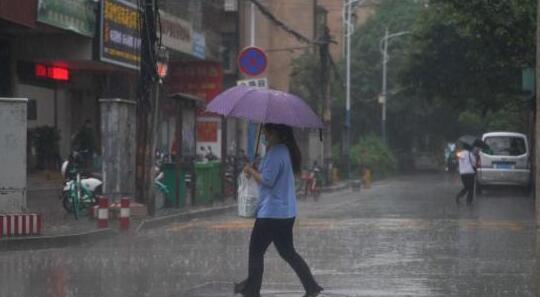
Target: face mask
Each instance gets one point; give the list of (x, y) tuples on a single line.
[(263, 140)]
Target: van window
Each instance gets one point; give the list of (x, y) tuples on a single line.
[(505, 146)]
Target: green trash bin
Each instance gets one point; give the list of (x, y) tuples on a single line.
[(170, 181), (208, 182), (215, 180)]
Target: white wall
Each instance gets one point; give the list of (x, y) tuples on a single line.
[(13, 155), (45, 103), (45, 111)]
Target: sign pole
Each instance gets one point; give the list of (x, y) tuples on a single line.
[(251, 126)]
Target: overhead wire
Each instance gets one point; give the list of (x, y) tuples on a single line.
[(268, 14)]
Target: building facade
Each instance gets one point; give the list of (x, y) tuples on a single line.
[(66, 55)]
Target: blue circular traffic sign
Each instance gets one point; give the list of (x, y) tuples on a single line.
[(252, 61)]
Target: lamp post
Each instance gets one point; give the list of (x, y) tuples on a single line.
[(161, 69), (383, 45), (349, 28)]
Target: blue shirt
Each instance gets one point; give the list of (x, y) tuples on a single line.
[(277, 195)]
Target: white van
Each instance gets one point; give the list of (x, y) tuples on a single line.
[(505, 160)]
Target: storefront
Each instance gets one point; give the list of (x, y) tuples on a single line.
[(66, 68), (205, 80)]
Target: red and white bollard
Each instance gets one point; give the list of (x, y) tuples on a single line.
[(124, 213), (20, 224), (103, 212)]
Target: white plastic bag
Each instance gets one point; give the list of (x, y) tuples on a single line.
[(248, 196)]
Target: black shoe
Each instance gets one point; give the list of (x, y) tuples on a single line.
[(315, 292), (240, 287)]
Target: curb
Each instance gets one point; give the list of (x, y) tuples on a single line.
[(186, 216), (55, 241), (183, 217), (65, 240), (341, 187)]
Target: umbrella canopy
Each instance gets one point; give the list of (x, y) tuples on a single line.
[(265, 106), (472, 141)]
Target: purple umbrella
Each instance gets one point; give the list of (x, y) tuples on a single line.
[(265, 106)]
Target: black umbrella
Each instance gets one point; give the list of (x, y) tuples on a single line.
[(470, 141)]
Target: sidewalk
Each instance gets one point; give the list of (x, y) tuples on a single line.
[(62, 229)]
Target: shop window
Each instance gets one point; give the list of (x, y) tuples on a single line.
[(228, 53)]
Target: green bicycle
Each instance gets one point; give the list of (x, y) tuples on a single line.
[(79, 193)]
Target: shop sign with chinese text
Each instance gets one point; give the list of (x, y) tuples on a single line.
[(120, 41), (176, 33), (78, 16)]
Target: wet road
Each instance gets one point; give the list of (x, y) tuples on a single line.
[(404, 237)]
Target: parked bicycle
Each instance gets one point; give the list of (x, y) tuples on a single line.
[(159, 185), (312, 180), (80, 190)]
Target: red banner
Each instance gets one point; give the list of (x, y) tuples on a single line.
[(201, 79), (207, 131)]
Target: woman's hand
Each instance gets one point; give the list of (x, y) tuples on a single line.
[(248, 171), (252, 172)]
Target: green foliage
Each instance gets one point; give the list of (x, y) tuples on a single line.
[(306, 80), (372, 153), (471, 122), (46, 139), (470, 53), (458, 72), (366, 70), (510, 118), (397, 16)]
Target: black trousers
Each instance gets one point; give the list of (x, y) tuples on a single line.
[(280, 232), (468, 186)]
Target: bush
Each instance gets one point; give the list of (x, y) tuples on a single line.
[(373, 154), (340, 162)]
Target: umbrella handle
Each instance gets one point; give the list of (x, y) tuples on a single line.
[(257, 145)]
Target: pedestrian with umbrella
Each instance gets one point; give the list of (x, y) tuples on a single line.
[(276, 210), (467, 160)]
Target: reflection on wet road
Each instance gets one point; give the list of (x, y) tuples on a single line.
[(404, 237)]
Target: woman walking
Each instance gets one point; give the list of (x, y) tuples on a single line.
[(276, 211), (467, 170)]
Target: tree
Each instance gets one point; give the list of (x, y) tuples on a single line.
[(305, 79), (366, 67), (470, 53)]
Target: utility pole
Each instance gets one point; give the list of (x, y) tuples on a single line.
[(536, 138), (383, 95), (251, 127), (383, 45), (348, 33), (148, 93), (536, 132), (324, 53)]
